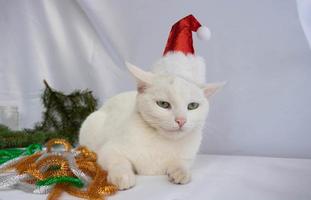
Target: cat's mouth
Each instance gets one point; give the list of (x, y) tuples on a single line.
[(173, 130), (172, 133)]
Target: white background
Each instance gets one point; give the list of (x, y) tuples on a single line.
[(259, 47)]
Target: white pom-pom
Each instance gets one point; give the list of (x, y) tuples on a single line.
[(204, 33)]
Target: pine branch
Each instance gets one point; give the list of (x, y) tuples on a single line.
[(62, 118), (16, 139), (66, 112)]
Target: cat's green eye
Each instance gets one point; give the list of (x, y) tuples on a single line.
[(164, 104), (192, 106)]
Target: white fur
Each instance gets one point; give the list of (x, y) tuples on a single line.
[(204, 33), (189, 67), (132, 134)]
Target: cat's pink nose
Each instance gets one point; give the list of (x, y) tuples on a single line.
[(180, 121)]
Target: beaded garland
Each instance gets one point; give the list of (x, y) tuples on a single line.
[(71, 170)]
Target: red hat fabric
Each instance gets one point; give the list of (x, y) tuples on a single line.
[(180, 37)]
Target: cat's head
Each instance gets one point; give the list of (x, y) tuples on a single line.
[(172, 105)]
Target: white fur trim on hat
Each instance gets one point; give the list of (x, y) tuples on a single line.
[(189, 67)]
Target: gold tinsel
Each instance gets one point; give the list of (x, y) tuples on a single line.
[(85, 160), (49, 145)]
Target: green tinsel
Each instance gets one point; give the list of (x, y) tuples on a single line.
[(9, 154), (60, 179)]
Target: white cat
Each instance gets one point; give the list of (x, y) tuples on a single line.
[(156, 130)]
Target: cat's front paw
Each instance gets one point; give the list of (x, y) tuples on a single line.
[(179, 175), (124, 179)]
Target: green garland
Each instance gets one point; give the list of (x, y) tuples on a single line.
[(65, 112), (62, 118), (24, 138)]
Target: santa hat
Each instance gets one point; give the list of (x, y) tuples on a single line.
[(178, 57), (180, 38)]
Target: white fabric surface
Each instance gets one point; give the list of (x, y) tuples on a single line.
[(52, 40), (304, 11), (259, 47), (219, 177)]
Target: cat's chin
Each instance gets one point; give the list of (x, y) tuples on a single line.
[(172, 133)]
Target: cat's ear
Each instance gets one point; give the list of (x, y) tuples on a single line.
[(143, 78), (211, 88)]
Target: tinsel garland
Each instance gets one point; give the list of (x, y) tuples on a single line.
[(9, 154), (71, 170)]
